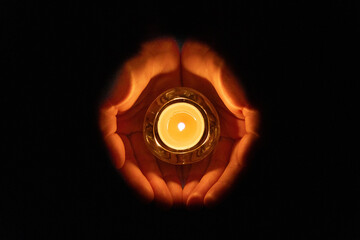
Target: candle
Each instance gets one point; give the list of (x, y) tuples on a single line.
[(180, 126)]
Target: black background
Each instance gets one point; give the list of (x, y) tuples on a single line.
[(297, 61)]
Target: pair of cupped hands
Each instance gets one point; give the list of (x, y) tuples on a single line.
[(161, 65)]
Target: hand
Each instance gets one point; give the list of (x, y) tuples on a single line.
[(155, 69), (209, 180)]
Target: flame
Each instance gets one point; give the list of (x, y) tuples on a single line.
[(181, 126)]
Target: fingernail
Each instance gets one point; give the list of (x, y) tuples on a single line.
[(210, 201)]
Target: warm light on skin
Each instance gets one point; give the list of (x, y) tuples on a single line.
[(205, 63), (160, 65), (137, 71), (181, 126)]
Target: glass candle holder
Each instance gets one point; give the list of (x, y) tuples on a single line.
[(181, 126)]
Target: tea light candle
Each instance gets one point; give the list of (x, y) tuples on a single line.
[(181, 126)]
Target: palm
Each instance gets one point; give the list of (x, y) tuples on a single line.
[(155, 70), (210, 179), (163, 177)]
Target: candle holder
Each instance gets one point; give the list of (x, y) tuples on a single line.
[(200, 140)]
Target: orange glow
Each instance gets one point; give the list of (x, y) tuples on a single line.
[(160, 65), (186, 115)]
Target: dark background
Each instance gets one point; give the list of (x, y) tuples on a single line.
[(297, 61)]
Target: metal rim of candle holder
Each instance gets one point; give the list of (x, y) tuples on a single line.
[(197, 152)]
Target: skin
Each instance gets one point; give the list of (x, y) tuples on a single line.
[(157, 67)]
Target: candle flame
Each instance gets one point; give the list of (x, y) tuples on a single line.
[(181, 126)]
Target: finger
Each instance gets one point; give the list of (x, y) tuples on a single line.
[(107, 123), (217, 165), (202, 61), (132, 120), (196, 172), (133, 175), (151, 171), (169, 173), (237, 159), (107, 118), (252, 121), (116, 149), (157, 57)]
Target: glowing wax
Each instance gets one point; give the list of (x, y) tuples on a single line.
[(181, 126)]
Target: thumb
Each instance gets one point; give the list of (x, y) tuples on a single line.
[(202, 61), (156, 57)]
